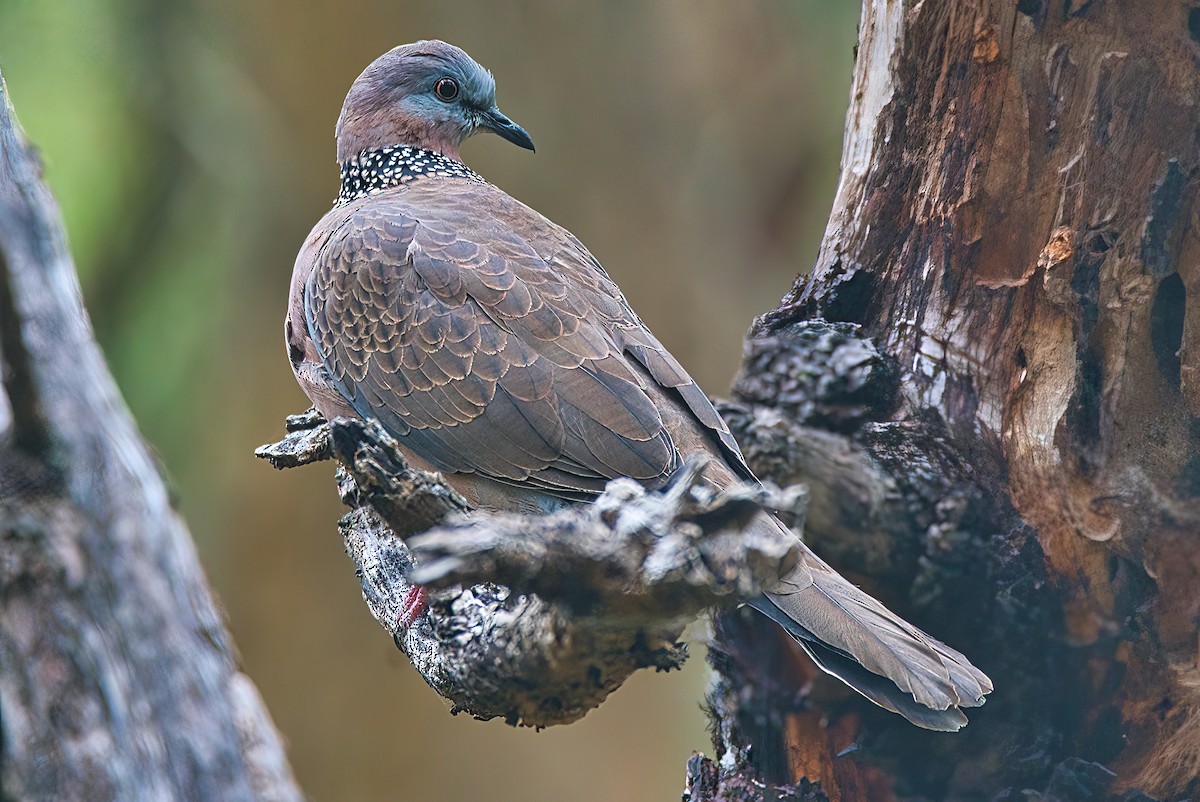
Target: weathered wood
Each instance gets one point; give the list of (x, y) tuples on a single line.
[(1014, 241), (118, 679), (989, 381), (537, 619)]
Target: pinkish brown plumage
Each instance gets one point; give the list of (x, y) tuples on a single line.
[(394, 101), (494, 347)]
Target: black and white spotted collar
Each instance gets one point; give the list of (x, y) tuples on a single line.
[(373, 171)]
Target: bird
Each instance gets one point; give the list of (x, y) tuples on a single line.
[(495, 349)]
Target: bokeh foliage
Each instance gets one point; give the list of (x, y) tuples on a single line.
[(693, 147)]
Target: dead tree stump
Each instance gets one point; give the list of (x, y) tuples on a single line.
[(991, 382)]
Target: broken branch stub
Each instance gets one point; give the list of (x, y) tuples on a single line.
[(536, 619)]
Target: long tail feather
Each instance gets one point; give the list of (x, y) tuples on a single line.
[(856, 639)]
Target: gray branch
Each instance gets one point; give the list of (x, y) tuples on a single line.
[(118, 679), (536, 619)]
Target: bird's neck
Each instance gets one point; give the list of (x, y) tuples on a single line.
[(370, 172)]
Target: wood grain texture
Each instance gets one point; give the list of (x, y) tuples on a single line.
[(1014, 238)]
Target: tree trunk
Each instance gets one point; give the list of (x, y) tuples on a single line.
[(991, 381), (118, 680)]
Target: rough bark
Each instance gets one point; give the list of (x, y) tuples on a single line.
[(991, 382), (118, 679), (988, 382), (536, 619)]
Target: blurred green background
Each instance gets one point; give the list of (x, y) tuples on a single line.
[(692, 145)]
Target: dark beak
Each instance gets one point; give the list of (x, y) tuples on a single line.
[(497, 123)]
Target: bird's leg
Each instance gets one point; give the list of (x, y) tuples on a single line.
[(412, 606)]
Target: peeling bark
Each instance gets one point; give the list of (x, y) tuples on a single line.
[(1015, 242)]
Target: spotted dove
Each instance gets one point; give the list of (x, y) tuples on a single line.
[(493, 346)]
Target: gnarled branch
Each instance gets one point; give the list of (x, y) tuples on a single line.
[(537, 619)]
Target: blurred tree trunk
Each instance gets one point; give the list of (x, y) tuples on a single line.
[(991, 380), (118, 679)]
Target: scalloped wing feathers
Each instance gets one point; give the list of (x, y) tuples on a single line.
[(489, 341)]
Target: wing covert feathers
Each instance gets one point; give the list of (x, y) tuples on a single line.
[(489, 341)]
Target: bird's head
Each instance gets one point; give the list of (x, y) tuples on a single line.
[(427, 94)]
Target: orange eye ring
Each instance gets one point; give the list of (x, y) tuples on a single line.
[(446, 89)]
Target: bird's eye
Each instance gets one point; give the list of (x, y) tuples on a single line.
[(446, 89)]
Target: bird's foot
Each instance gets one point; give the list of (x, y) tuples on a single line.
[(411, 608)]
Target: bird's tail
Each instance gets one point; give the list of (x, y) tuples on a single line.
[(856, 639)]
